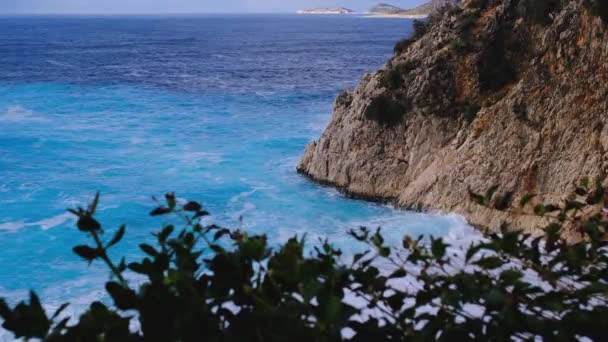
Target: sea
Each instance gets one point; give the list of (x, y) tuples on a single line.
[(216, 108)]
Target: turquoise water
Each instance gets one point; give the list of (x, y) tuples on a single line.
[(217, 109)]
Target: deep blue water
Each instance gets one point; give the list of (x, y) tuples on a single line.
[(216, 108)]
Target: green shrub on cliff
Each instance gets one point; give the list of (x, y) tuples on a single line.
[(385, 110), (539, 11), (208, 283), (599, 8), (420, 28), (393, 76)]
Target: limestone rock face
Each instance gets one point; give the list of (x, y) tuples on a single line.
[(486, 97)]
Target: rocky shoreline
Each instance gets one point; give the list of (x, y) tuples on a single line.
[(485, 97), (398, 16)]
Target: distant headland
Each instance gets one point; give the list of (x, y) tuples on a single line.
[(385, 10), (422, 11), (340, 10)]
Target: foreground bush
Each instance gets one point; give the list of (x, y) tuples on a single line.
[(207, 283)]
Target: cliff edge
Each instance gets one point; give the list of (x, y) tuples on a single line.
[(494, 92)]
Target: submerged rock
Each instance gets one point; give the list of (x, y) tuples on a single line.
[(487, 96)]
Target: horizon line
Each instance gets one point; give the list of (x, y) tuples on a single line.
[(155, 13)]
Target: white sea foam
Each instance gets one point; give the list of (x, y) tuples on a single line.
[(53, 221), (198, 158), (242, 195), (12, 226), (17, 113), (247, 207), (60, 64), (44, 224)]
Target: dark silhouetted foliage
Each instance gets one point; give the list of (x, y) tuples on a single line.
[(208, 283)]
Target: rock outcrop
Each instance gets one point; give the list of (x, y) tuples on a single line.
[(383, 8), (429, 7), (421, 11), (487, 96)]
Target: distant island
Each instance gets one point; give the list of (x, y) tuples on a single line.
[(385, 10), (422, 11), (340, 10)]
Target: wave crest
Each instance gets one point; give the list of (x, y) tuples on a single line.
[(18, 113)]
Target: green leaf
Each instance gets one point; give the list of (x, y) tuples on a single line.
[(504, 201), (490, 193), (400, 273), (490, 263), (165, 233), (140, 268), (5, 310), (93, 205), (117, 236), (88, 224), (396, 301), (596, 196), (585, 182), (122, 265), (377, 239), (526, 199), (160, 211), (124, 298), (171, 201), (384, 252), (86, 252), (60, 310), (148, 249), (477, 198), (471, 252), (330, 307), (539, 210), (26, 320), (438, 248), (359, 256), (192, 206), (495, 299), (254, 248), (549, 208), (220, 233), (511, 276), (573, 205), (201, 213)]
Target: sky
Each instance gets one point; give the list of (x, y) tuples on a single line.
[(183, 6)]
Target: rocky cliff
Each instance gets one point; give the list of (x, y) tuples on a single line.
[(494, 92), (421, 11), (429, 7)]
